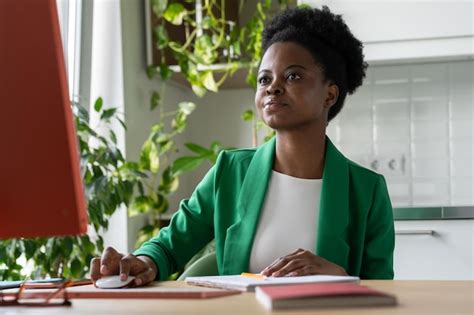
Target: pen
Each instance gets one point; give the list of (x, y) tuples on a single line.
[(253, 275)]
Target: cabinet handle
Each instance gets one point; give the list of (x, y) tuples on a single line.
[(414, 232)]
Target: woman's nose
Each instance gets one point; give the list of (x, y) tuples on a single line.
[(274, 88)]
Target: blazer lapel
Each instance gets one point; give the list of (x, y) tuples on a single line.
[(240, 235), (334, 208)]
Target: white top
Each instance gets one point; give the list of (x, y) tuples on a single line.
[(288, 219)]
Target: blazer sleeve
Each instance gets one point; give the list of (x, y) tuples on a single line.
[(190, 228), (377, 259)]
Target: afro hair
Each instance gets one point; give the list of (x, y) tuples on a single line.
[(330, 42)]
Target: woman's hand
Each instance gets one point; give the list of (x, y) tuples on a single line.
[(302, 263), (114, 263)]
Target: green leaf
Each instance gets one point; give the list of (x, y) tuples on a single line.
[(82, 114), (121, 123), (179, 122), (202, 151), (204, 50), (156, 129), (149, 158), (113, 136), (175, 13), (30, 248), (141, 204), (269, 136), (215, 147), (3, 253), (208, 22), (106, 114), (161, 37), (185, 164), (236, 47), (248, 115), (252, 79), (145, 233), (165, 146), (87, 245), (198, 90), (186, 107), (67, 246), (76, 268), (169, 182), (151, 71), (154, 159), (208, 81), (159, 6), (100, 246), (98, 104), (161, 205), (260, 124), (165, 72), (155, 100)]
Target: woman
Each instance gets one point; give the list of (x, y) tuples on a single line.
[(294, 206)]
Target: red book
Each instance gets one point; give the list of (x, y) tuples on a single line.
[(321, 295)]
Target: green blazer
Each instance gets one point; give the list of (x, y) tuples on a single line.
[(355, 227)]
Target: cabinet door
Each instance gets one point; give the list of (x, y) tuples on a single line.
[(438, 250), (408, 30)]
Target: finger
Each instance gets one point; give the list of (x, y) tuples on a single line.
[(109, 264), (280, 262), (303, 271), (95, 268), (144, 278), (290, 267), (125, 265)]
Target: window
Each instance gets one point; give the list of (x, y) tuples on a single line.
[(70, 12)]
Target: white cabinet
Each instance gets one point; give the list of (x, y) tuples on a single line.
[(408, 30), (438, 249)]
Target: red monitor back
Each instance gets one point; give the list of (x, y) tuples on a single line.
[(41, 193)]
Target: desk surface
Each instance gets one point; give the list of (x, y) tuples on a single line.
[(414, 297)]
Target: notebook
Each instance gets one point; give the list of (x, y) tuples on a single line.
[(242, 283), (315, 295)]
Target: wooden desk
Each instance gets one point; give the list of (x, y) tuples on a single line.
[(414, 297)]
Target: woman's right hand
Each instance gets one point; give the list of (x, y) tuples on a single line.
[(115, 263)]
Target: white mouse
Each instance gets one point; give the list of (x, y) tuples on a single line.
[(113, 282)]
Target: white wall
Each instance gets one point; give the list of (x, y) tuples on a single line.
[(218, 118)]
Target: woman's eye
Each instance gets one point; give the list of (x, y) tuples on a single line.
[(263, 80), (293, 76)]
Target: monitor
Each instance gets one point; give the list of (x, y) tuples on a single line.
[(41, 193)]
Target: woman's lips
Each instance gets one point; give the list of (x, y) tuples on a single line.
[(273, 106)]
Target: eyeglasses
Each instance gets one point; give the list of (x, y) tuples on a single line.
[(56, 297)]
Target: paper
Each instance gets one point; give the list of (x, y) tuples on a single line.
[(238, 282)]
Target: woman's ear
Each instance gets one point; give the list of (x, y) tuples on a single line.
[(332, 95)]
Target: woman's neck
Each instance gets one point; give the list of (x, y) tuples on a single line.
[(300, 155)]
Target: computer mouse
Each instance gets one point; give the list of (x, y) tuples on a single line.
[(113, 282)]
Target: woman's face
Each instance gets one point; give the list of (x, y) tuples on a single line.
[(291, 90)]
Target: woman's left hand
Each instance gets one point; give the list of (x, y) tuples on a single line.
[(302, 263)]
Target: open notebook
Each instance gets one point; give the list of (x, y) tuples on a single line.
[(242, 283)]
